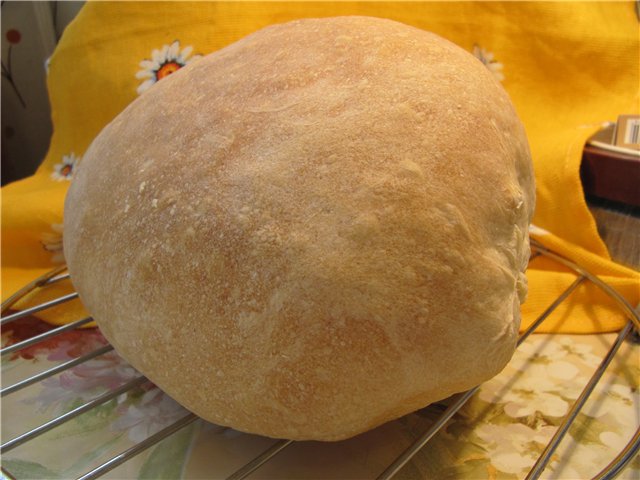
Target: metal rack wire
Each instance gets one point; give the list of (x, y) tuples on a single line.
[(616, 465)]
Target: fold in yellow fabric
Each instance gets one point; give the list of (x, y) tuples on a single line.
[(568, 67)]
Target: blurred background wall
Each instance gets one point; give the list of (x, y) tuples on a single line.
[(30, 31)]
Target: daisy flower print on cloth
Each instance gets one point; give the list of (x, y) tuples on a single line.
[(488, 59), (66, 169), (52, 242), (164, 62)]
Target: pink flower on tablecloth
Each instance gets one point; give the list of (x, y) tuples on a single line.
[(72, 344), (84, 382), (148, 415), (66, 346), (108, 370)]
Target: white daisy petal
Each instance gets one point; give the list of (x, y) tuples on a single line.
[(146, 85), (157, 57), (144, 74), (149, 65), (498, 75), (56, 172), (186, 52), (193, 59), (173, 51), (164, 53)]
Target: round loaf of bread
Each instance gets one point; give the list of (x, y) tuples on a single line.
[(315, 230)]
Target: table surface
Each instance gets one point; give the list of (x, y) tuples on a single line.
[(498, 434)]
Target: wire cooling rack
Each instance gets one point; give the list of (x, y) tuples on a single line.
[(616, 465)]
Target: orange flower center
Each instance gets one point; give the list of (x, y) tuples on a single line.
[(66, 170), (167, 69)]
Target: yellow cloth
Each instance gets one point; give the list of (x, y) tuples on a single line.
[(567, 66)]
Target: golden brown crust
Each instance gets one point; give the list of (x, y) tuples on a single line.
[(315, 230)]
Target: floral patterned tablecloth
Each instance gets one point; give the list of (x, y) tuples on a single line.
[(497, 435)]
